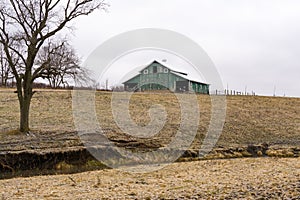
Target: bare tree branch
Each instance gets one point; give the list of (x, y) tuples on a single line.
[(59, 64)]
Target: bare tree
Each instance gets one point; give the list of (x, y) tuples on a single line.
[(62, 65), (25, 26), (5, 70)]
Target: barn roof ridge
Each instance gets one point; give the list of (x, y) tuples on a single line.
[(172, 70), (163, 64)]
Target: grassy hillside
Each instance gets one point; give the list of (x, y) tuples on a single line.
[(249, 120)]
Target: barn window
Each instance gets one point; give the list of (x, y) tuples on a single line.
[(160, 69), (166, 70), (146, 71), (154, 69)]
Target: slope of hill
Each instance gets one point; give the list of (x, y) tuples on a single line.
[(255, 126), (249, 120)]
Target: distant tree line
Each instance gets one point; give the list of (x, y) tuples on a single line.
[(6, 76)]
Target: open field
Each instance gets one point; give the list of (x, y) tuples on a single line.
[(250, 120), (254, 127), (247, 178)]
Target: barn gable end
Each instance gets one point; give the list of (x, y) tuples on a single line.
[(157, 76)]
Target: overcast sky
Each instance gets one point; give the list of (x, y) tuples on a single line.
[(253, 43)]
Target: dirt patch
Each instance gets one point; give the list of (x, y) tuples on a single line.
[(44, 154)]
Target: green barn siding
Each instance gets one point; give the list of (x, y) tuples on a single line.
[(153, 86), (200, 88), (162, 77)]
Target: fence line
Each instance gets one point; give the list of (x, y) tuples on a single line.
[(232, 93)]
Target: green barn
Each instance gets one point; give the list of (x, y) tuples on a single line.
[(157, 76)]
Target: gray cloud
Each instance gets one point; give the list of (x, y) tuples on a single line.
[(253, 43)]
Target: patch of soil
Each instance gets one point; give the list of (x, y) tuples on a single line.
[(52, 153)]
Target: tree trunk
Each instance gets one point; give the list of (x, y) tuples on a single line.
[(24, 113), (24, 95), (2, 75)]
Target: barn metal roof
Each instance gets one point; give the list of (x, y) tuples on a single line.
[(190, 77)]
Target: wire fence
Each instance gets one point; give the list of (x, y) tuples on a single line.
[(232, 93)]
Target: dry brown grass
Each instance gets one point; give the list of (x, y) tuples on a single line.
[(261, 178), (50, 110), (250, 120), (262, 119)]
